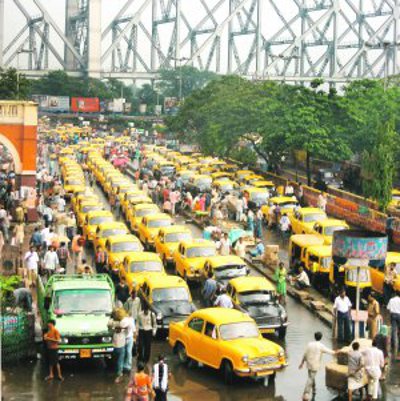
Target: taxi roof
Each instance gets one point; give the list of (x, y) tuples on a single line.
[(331, 222), (307, 239), (96, 213), (393, 257), (263, 182), (158, 216), (310, 210), (122, 238), (251, 283), (320, 250), (220, 316), (112, 224), (143, 256), (197, 242), (179, 228), (222, 182), (224, 260), (283, 199), (145, 206), (165, 281), (254, 189)]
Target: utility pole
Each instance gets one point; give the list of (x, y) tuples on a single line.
[(1, 32)]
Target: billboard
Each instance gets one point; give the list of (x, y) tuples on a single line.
[(41, 100), (170, 105), (85, 104), (58, 103)]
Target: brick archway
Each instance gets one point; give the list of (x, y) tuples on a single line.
[(18, 133)]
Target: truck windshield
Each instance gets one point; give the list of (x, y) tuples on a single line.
[(232, 331), (170, 294), (82, 301)]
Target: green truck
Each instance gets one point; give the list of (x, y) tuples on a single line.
[(81, 306)]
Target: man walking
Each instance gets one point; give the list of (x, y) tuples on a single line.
[(342, 308), (394, 309), (209, 289), (160, 379), (312, 358), (52, 339), (374, 363), (31, 259)]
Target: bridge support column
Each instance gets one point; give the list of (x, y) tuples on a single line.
[(94, 40), (1, 31)]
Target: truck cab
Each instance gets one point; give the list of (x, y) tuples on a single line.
[(81, 306)]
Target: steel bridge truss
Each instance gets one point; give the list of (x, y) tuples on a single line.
[(292, 40)]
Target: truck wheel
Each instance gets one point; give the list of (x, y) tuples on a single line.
[(282, 332), (227, 372), (182, 355)]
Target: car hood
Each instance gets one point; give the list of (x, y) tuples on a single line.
[(82, 324), (197, 263), (256, 347), (173, 308)]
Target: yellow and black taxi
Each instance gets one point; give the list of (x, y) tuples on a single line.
[(378, 272), (168, 297), (138, 265), (150, 225), (227, 340), (118, 247), (106, 230), (198, 184), (225, 268), (283, 204), (256, 296), (85, 207), (137, 212), (92, 221), (256, 197), (190, 256), (225, 186), (304, 219), (327, 227)]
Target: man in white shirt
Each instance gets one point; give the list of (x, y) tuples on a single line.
[(31, 260), (45, 233), (224, 245), (61, 204), (312, 358), (223, 300), (50, 261), (301, 280), (240, 248), (289, 190), (342, 309), (374, 363), (394, 308)]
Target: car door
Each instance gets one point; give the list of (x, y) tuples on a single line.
[(194, 334), (209, 349), (180, 268)]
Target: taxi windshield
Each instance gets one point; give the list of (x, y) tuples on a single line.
[(233, 331), (176, 237), (230, 271), (144, 212), (89, 208), (170, 294), (82, 301), (256, 297), (311, 217), (73, 182), (259, 196), (112, 231), (331, 229), (101, 219), (158, 223), (200, 251), (203, 181), (145, 266), (126, 246)]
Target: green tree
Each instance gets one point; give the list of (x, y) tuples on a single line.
[(13, 85)]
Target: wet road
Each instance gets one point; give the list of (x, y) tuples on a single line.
[(91, 381)]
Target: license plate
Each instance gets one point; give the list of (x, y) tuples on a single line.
[(85, 353), (267, 331)]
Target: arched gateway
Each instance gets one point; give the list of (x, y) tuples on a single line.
[(18, 133)]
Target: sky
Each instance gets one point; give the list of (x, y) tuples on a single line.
[(194, 12)]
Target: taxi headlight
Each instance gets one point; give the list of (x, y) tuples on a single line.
[(192, 269), (106, 339), (159, 316), (245, 359), (64, 340), (281, 353)]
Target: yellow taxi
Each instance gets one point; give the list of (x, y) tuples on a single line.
[(85, 207), (225, 186), (228, 340), (118, 247), (225, 267), (257, 297), (139, 265), (112, 186), (106, 230), (286, 204), (92, 221), (190, 256), (298, 245), (73, 184), (256, 197), (79, 197), (135, 200), (240, 174), (186, 175), (264, 184), (395, 202), (128, 196), (317, 263), (378, 272), (304, 219), (137, 212), (167, 241), (222, 175), (327, 227), (150, 225)]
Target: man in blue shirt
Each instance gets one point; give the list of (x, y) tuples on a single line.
[(259, 249), (209, 289)]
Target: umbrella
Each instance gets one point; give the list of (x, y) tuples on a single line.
[(237, 233)]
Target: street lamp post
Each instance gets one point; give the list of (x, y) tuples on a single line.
[(180, 73)]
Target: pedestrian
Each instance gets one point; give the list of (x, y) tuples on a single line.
[(129, 342), (50, 261), (19, 234), (209, 289), (394, 309), (289, 190), (224, 246), (223, 300), (63, 255), (258, 224), (355, 376), (70, 226), (390, 278), (160, 379), (100, 260), (240, 248), (84, 268), (118, 323), (117, 207), (342, 308), (313, 358), (285, 227), (36, 239), (390, 227), (239, 209), (52, 339), (174, 197), (322, 201), (23, 298), (258, 250), (122, 291), (250, 221), (146, 328), (132, 305), (383, 343), (374, 363), (301, 281), (31, 260), (77, 249), (373, 316), (280, 279), (140, 387)]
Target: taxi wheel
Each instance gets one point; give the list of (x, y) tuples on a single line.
[(282, 333), (227, 372), (182, 355)]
